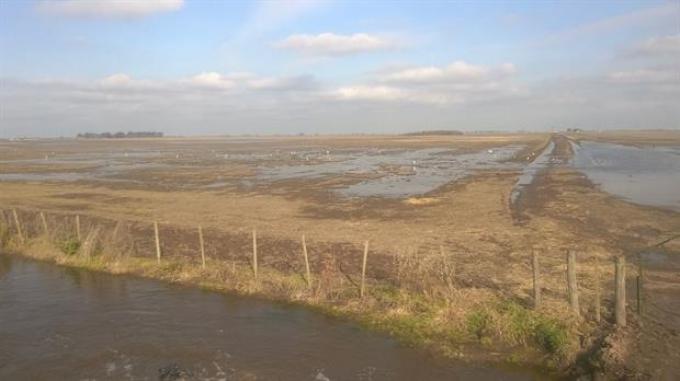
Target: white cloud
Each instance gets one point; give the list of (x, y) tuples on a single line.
[(458, 71), (330, 44), (663, 14), (646, 76), (212, 80), (470, 97), (659, 46), (459, 82), (117, 80), (108, 8), (365, 92)]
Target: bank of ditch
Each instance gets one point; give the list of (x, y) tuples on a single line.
[(417, 299)]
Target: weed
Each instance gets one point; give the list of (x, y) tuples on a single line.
[(551, 336), (478, 322), (70, 246), (4, 235), (519, 322)]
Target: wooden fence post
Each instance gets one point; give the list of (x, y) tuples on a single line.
[(620, 292), (363, 270), (537, 285), (304, 252), (598, 296), (18, 225), (44, 223), (639, 285), (255, 253), (158, 242), (200, 241), (571, 282), (78, 226)]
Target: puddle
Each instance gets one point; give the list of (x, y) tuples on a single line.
[(646, 176)]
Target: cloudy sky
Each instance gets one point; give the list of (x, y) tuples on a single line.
[(228, 67)]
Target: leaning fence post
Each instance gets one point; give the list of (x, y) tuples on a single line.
[(571, 281), (363, 270), (44, 223), (304, 252), (255, 253), (200, 241), (18, 224), (537, 286), (620, 292), (158, 242), (78, 226)]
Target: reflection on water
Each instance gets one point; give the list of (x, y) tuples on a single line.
[(61, 324), (647, 175)]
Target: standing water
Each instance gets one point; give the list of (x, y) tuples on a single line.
[(60, 323), (646, 175)]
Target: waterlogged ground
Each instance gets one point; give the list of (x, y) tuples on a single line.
[(398, 173), (63, 324), (644, 175), (377, 172)]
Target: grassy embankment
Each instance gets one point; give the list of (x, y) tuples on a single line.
[(423, 308)]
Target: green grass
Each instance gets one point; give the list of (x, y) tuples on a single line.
[(70, 246), (551, 336), (478, 323)]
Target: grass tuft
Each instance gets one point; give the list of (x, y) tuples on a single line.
[(69, 246)]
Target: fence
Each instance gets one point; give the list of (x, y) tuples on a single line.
[(312, 260)]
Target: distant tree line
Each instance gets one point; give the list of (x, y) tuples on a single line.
[(434, 132), (120, 135)]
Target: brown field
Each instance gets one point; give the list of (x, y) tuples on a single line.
[(462, 246)]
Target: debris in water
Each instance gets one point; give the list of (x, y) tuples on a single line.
[(173, 372)]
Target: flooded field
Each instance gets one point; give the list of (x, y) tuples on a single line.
[(59, 323), (451, 223), (645, 175), (372, 171)]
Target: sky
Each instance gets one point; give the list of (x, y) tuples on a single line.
[(209, 67)]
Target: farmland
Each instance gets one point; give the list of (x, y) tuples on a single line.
[(451, 224)]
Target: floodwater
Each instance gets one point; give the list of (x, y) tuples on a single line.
[(379, 172), (643, 175), (59, 323), (397, 173), (529, 172)]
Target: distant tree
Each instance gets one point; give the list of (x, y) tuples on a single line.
[(119, 135)]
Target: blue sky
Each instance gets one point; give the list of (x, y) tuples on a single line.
[(230, 67)]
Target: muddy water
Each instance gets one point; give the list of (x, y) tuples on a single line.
[(645, 175), (58, 323)]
